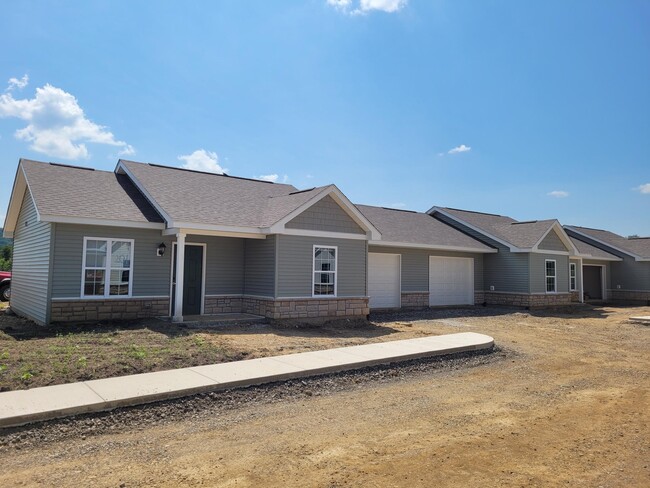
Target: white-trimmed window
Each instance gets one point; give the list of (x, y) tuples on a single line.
[(551, 277), (325, 270), (107, 267), (572, 277)]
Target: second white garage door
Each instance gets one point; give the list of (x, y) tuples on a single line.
[(384, 280), (451, 281)]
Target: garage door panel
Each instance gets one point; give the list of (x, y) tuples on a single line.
[(451, 281), (384, 280)]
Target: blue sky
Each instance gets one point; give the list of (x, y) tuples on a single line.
[(528, 109)]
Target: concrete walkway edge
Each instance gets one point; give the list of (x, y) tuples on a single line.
[(25, 406)]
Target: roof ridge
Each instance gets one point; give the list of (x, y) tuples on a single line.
[(475, 211), (225, 175)]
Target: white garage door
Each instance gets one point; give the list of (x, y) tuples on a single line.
[(451, 281), (384, 280)]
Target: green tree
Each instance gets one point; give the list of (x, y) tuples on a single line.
[(6, 255)]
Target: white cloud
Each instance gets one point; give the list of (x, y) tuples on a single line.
[(202, 160), (272, 178), (17, 83), (558, 194), (56, 124), (644, 188), (459, 149), (365, 6), (127, 151)]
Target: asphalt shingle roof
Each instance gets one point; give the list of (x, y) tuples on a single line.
[(523, 235), (416, 228), (638, 246), (72, 191), (588, 249), (206, 198)]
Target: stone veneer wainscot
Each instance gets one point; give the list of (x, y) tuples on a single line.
[(81, 310)]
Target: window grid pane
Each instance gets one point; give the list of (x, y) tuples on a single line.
[(107, 260), (324, 276)]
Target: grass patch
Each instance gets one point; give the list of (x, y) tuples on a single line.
[(32, 356)]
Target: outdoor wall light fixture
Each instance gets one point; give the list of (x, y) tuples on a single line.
[(161, 249)]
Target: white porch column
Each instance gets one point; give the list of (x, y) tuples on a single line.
[(582, 285), (180, 272)]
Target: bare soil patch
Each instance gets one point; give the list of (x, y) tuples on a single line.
[(564, 403)]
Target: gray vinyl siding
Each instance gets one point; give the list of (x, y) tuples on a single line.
[(630, 274), (505, 271), (552, 242), (31, 264), (224, 264), (151, 273), (259, 268), (415, 266), (295, 265), (538, 272), (578, 275), (325, 215)]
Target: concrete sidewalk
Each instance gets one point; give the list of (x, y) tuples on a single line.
[(25, 406)]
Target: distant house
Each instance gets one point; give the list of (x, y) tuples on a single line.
[(148, 240), (624, 275), (532, 267)]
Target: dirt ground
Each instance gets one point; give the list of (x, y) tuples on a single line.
[(566, 405)]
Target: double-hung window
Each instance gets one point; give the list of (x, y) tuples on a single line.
[(107, 267), (550, 276), (324, 270), (572, 277)]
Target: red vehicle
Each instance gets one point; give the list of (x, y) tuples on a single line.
[(5, 285)]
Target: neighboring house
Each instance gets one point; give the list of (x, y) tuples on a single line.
[(531, 267), (420, 261), (148, 240), (626, 274)]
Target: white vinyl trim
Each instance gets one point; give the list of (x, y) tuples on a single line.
[(547, 276), (611, 246), (431, 247), (107, 268), (564, 237), (573, 269), (109, 223), (341, 200), (313, 270), (322, 233), (203, 270)]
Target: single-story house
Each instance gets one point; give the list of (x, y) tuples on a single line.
[(625, 275), (531, 267), (149, 240)]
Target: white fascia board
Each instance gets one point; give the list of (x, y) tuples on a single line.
[(512, 248), (596, 258), (62, 219), (15, 201), (192, 226), (121, 167), (347, 206), (432, 247), (323, 233), (611, 246), (172, 231), (561, 233), (545, 251)]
